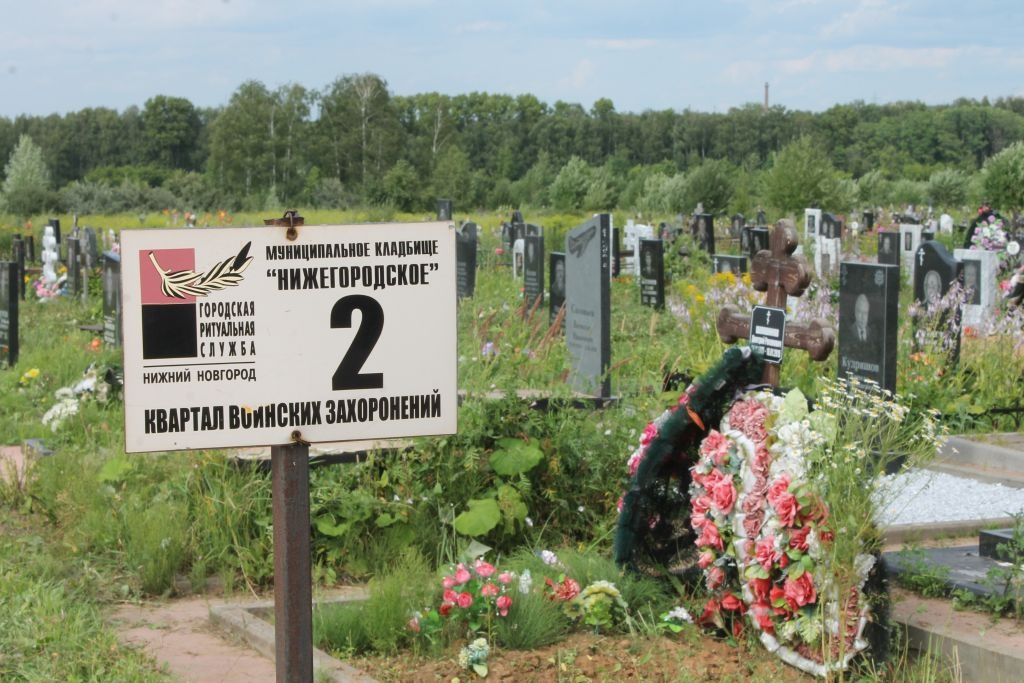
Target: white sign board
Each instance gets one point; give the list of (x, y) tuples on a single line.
[(239, 337)]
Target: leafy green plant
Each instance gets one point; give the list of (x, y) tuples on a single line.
[(921, 576)]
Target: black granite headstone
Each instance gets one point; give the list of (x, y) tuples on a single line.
[(74, 283), (533, 272), (727, 263), (556, 292), (705, 223), (465, 260), (652, 273), (831, 227), (9, 298), (869, 220), (18, 255), (111, 299), (55, 222), (533, 230), (588, 305), (616, 253), (868, 321), (759, 240), (762, 218), (91, 248), (444, 209), (935, 271), (30, 248), (889, 248), (745, 239)]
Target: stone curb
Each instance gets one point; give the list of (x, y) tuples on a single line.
[(904, 533), (959, 450), (245, 622)]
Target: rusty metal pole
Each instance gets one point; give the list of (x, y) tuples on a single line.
[(293, 589)]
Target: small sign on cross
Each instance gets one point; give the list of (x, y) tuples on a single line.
[(781, 275)]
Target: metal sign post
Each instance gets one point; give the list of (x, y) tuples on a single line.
[(293, 591)]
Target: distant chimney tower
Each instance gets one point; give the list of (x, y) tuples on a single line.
[(766, 95)]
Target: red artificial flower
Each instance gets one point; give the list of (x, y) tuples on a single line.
[(465, 599), (798, 538), (564, 591), (723, 495), (800, 592), (449, 596), (716, 577), (445, 608), (709, 537), (761, 589), (705, 559), (766, 553), (461, 574), (489, 590), (762, 614), (732, 603), (483, 569)]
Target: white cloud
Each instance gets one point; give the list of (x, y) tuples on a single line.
[(580, 74), (872, 58), (861, 19)]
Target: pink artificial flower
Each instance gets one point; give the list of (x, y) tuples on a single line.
[(710, 538), (635, 460), (489, 590), (705, 559), (620, 503), (762, 616), (723, 495), (762, 460), (779, 487), (503, 603), (698, 520), (465, 599), (798, 539), (650, 431), (505, 578), (766, 553), (786, 508), (483, 569), (449, 596), (748, 417), (701, 504), (414, 624), (448, 582), (733, 603), (716, 446), (761, 589), (716, 577), (800, 592), (461, 574), (564, 591)]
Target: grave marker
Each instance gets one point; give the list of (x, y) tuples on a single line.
[(812, 219), (30, 248), (727, 263), (736, 225), (18, 252), (705, 231), (518, 250), (9, 297), (762, 218), (869, 220), (980, 278), (780, 274), (588, 305), (556, 294), (652, 273), (910, 238), (828, 244), (634, 233), (74, 282), (112, 300), (868, 322), (889, 248), (55, 224), (533, 273), (760, 240), (465, 254), (444, 209), (935, 271), (91, 249)]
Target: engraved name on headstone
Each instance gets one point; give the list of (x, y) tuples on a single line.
[(652, 273)]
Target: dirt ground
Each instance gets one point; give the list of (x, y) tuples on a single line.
[(178, 635)]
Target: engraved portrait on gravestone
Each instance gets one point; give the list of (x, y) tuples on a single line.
[(647, 265), (932, 286), (972, 281), (861, 335), (110, 289), (558, 279), (908, 241)]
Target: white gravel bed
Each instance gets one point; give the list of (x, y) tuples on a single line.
[(921, 496)]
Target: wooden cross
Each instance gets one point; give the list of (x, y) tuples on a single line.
[(780, 274)]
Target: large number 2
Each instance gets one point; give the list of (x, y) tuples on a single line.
[(347, 376)]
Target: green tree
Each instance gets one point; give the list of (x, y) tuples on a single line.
[(452, 176), (241, 147), (26, 188), (1003, 179), (400, 186), (712, 183), (571, 185), (170, 129), (800, 176), (947, 187)]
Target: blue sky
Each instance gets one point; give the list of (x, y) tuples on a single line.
[(60, 56)]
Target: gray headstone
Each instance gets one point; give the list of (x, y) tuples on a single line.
[(533, 272), (759, 240), (727, 263), (889, 248), (634, 233), (910, 238), (465, 260), (9, 298), (812, 221), (111, 299), (868, 321), (444, 209), (556, 292), (736, 225), (935, 271), (762, 218), (652, 273), (588, 305), (980, 272)]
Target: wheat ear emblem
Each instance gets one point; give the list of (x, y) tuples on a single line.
[(181, 283)]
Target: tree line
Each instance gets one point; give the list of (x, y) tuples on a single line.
[(356, 143)]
